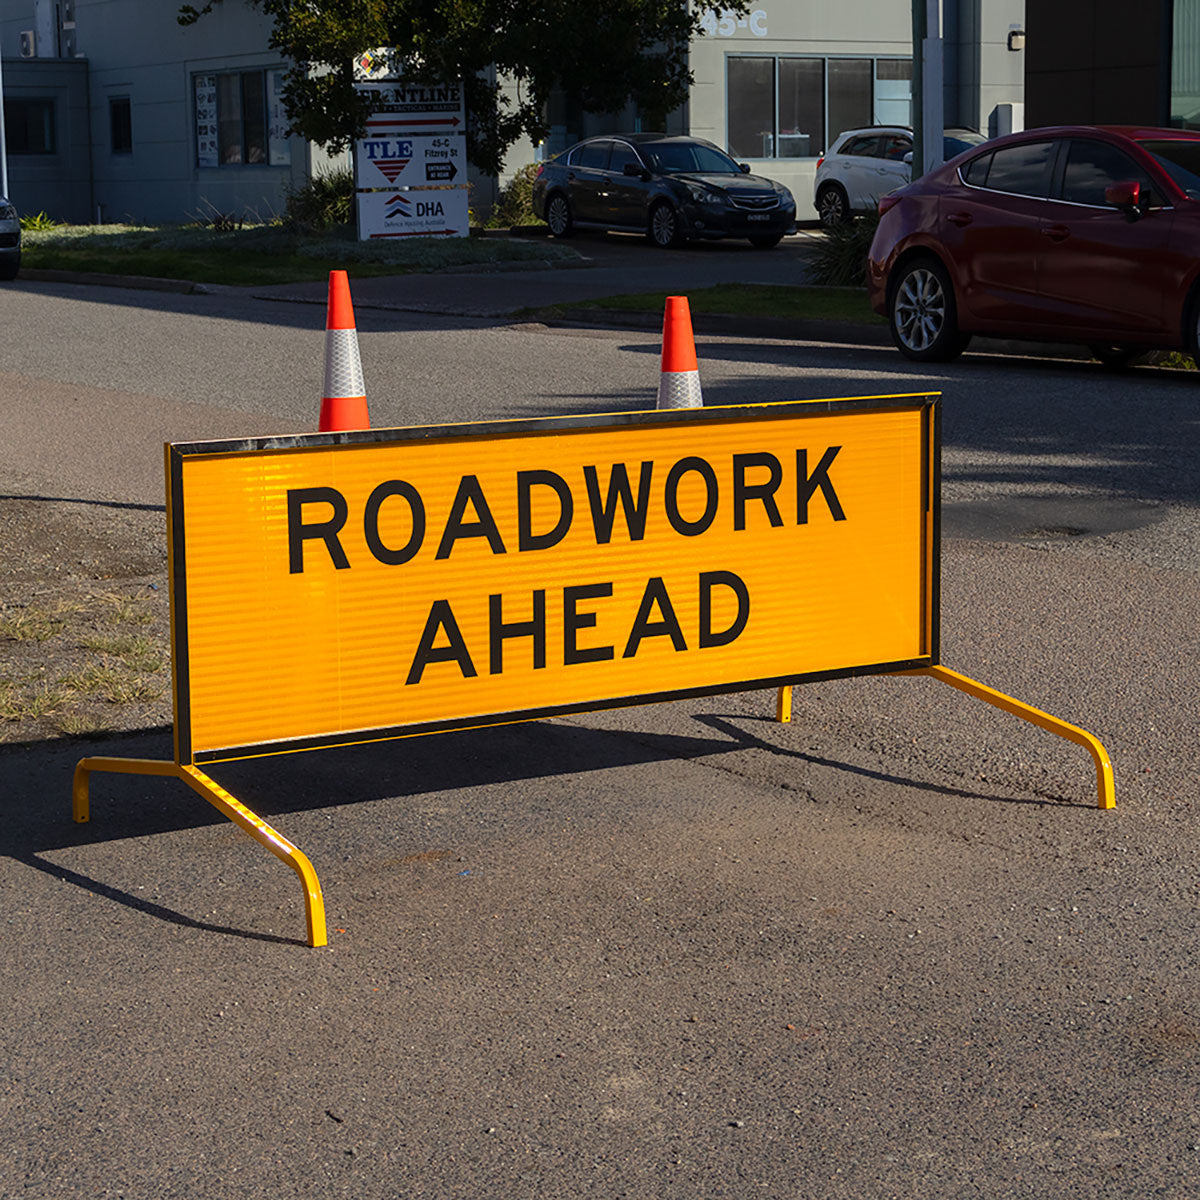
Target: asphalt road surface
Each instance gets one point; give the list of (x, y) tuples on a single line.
[(888, 950)]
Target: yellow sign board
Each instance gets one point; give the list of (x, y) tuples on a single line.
[(343, 587)]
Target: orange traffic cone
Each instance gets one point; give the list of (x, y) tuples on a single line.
[(679, 383), (344, 401)]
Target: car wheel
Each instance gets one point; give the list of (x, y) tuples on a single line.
[(558, 216), (766, 241), (8, 270), (922, 313), (664, 229), (833, 206), (1117, 358)]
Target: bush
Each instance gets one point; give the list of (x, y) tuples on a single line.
[(840, 259), (326, 201), (39, 221), (515, 206)]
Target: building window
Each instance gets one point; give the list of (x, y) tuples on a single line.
[(795, 107), (29, 126), (1185, 64), (240, 120), (120, 121)]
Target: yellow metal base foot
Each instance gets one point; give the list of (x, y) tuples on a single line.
[(266, 835), (1105, 788)]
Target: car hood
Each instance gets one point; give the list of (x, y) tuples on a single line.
[(750, 184)]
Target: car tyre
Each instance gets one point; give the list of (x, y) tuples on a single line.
[(833, 205), (766, 241), (922, 313), (8, 270), (1117, 358), (558, 216), (664, 229)]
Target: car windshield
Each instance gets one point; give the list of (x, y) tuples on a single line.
[(955, 143), (1181, 160), (688, 158)]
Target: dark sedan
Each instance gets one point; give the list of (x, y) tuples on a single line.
[(1073, 234), (672, 189)]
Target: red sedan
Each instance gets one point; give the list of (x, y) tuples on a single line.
[(1072, 234)]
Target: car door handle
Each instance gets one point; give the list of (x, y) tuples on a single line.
[(1056, 233), (960, 219)]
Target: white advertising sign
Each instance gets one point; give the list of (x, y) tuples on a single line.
[(415, 107), (403, 161), (418, 212)]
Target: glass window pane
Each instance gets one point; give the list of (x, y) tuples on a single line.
[(976, 171), (1024, 170), (1094, 166), (254, 116), (893, 91), (801, 107), (594, 154), (229, 118), (29, 126), (750, 111), (849, 94), (1185, 64), (622, 154), (121, 124)]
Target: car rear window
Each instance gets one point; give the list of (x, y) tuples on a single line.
[(1181, 160), (591, 154), (976, 171), (865, 147), (1023, 170)]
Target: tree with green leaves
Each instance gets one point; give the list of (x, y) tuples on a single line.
[(600, 56)]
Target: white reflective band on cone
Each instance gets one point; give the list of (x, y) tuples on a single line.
[(680, 389), (343, 368)]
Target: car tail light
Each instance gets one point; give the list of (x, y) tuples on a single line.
[(886, 202), (540, 171), (820, 160)]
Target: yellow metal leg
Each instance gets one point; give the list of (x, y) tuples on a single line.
[(124, 766), (1104, 773), (783, 704), (274, 841), (226, 803)]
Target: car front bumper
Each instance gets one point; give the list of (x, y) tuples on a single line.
[(709, 221)]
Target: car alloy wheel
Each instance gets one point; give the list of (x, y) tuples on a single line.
[(922, 314), (558, 216), (832, 206), (664, 226)]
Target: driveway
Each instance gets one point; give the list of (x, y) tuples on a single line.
[(608, 265)]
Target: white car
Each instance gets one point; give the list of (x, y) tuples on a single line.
[(10, 240), (864, 164)]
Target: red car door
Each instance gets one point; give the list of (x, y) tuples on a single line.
[(1100, 269), (989, 221)]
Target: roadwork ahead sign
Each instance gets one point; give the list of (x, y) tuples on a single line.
[(337, 588)]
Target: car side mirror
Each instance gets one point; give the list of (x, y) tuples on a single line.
[(744, 168), (908, 158), (635, 170), (1126, 196)]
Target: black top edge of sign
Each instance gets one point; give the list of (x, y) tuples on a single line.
[(407, 433)]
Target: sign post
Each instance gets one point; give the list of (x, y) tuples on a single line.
[(386, 583)]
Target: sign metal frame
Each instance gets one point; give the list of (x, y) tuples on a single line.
[(189, 762)]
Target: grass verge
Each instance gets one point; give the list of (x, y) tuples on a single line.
[(743, 300), (261, 255)]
